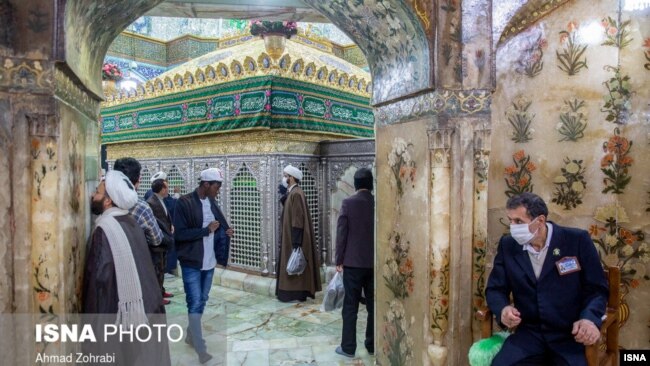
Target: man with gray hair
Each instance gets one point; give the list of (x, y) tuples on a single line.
[(548, 286)]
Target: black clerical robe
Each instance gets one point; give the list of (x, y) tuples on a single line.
[(100, 295)]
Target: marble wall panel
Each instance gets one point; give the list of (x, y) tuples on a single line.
[(76, 153), (402, 259), (571, 123)]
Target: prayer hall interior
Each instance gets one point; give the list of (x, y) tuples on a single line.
[(456, 105)]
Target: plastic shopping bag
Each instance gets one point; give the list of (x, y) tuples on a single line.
[(334, 293), (297, 263)]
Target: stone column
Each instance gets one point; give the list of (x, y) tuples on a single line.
[(458, 218), (440, 141), (479, 247)]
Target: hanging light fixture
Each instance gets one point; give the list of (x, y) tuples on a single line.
[(275, 45), (275, 35)]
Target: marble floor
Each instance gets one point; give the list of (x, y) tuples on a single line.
[(259, 330)]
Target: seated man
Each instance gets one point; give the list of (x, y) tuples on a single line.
[(557, 284)]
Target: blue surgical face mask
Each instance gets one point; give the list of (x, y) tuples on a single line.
[(285, 184), (521, 232)]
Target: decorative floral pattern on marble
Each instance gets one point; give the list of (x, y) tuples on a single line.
[(44, 295), (616, 163), (616, 34), (451, 40), (74, 158), (439, 300), (570, 185), (519, 176), (40, 173), (398, 269), (571, 59), (402, 165), (520, 120), (398, 344), (530, 62), (573, 121), (392, 38), (619, 246), (481, 165), (478, 274), (618, 98)]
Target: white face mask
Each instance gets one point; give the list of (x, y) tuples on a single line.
[(521, 232), (285, 184)]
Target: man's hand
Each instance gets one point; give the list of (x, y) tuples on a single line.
[(172, 229), (585, 332), (230, 232), (339, 268), (510, 316), (213, 226)]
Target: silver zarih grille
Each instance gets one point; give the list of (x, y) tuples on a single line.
[(245, 215), (308, 185), (145, 179), (175, 179)]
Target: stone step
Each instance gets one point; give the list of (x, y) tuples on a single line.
[(257, 284)]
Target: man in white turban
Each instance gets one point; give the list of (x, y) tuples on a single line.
[(297, 232), (119, 277)]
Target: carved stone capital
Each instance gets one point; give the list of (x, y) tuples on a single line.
[(440, 145), (43, 125)]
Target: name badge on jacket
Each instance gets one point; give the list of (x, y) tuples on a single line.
[(567, 265)]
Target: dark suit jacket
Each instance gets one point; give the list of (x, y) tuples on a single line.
[(164, 223), (551, 304), (355, 231)]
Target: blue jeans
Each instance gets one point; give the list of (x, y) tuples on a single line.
[(197, 284)]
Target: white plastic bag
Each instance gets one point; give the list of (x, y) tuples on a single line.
[(297, 263), (334, 293)]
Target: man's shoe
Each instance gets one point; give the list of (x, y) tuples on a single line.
[(168, 294), (205, 357), (166, 302), (341, 352)]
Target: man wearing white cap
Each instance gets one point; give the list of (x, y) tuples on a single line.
[(119, 277), (297, 232), (202, 237), (155, 177)]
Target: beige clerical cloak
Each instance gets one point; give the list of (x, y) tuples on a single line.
[(296, 216)]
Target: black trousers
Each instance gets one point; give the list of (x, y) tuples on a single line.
[(354, 280), (159, 259)]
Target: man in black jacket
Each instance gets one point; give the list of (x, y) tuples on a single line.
[(202, 241), (355, 253), (160, 189)]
